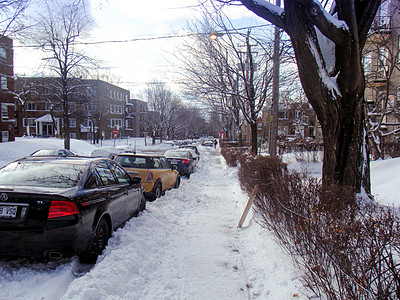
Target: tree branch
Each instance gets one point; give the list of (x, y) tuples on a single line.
[(267, 11)]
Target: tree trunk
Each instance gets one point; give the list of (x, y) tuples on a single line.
[(337, 101), (253, 128)]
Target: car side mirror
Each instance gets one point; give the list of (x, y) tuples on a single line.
[(173, 167), (136, 180)]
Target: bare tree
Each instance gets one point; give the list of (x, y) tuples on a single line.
[(11, 12), (236, 70), (160, 100), (328, 38), (57, 32)]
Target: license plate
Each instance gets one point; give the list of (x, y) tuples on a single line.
[(8, 211), (174, 162)]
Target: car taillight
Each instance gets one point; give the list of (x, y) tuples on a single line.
[(150, 176), (185, 161), (62, 209)]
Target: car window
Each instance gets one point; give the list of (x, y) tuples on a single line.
[(41, 173), (105, 174), (164, 163), (156, 163), (129, 161), (93, 181), (121, 175)]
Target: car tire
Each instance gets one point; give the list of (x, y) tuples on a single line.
[(177, 182), (98, 244), (142, 205), (158, 191), (187, 175)]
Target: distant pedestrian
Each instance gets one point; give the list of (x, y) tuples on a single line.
[(215, 143)]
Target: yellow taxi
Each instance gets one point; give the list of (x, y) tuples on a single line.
[(156, 172)]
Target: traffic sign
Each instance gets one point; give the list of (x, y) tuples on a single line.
[(115, 132)]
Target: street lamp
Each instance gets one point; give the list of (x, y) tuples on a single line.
[(215, 35)]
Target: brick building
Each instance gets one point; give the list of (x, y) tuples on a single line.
[(7, 121), (95, 109)]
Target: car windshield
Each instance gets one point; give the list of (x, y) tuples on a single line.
[(42, 174), (177, 154), (130, 161)]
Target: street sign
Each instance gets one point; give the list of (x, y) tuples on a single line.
[(222, 134), (115, 132)]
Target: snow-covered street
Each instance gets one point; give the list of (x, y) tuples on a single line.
[(185, 246)]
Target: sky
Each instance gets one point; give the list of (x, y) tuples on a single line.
[(134, 63)]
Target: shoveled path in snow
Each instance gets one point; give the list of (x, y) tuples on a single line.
[(182, 247), (186, 246)]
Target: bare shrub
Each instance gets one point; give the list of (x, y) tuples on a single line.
[(232, 154), (392, 149), (347, 251)]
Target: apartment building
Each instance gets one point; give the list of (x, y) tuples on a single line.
[(136, 117), (95, 109), (381, 58), (7, 120)]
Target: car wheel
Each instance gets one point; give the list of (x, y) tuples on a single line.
[(177, 182), (187, 175), (142, 203), (99, 242), (158, 190)]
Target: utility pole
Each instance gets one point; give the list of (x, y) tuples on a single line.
[(275, 91)]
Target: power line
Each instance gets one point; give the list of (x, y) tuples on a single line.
[(162, 37)]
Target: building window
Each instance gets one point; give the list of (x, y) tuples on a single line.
[(283, 115), (4, 112), (3, 52), (115, 123), (31, 106), (298, 114), (72, 122), (367, 62), (31, 122), (383, 60), (71, 107), (4, 82), (87, 122), (47, 106)]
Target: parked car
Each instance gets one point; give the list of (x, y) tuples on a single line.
[(183, 159), (52, 152), (106, 152), (156, 173), (208, 143), (53, 206), (192, 147)]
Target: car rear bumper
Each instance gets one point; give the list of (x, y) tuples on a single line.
[(55, 242)]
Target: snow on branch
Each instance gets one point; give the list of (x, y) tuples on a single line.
[(267, 11), (334, 29), (329, 82)]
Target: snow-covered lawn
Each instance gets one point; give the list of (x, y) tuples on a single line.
[(184, 246)]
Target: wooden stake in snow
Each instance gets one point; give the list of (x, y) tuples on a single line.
[(249, 203)]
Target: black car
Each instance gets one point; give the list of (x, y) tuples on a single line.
[(183, 160), (55, 206)]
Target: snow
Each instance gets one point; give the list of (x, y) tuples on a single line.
[(186, 245), (276, 10)]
